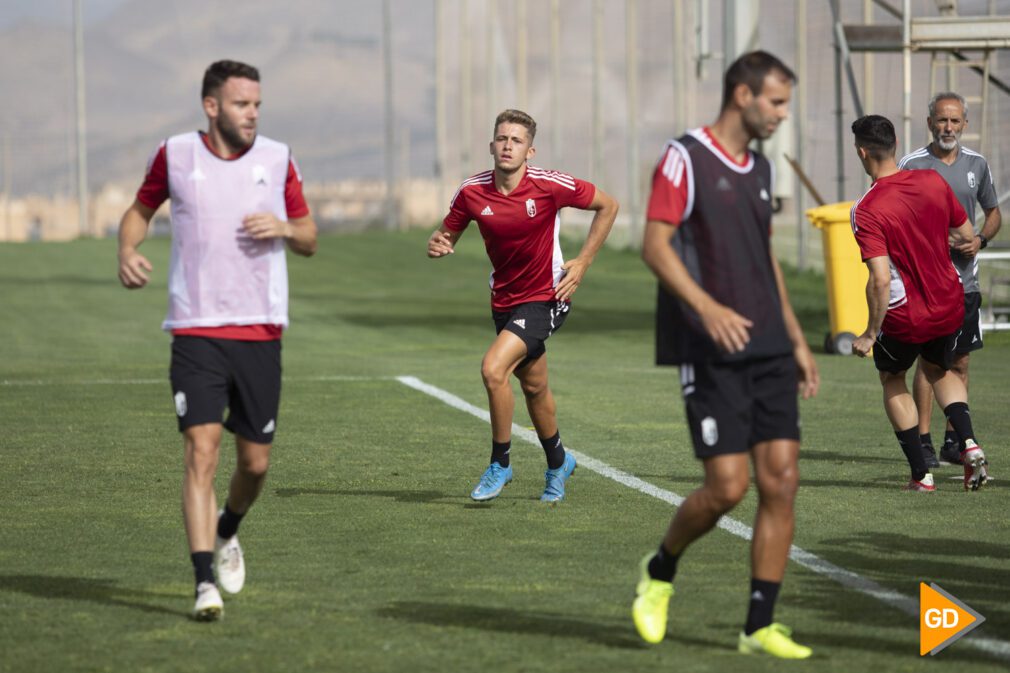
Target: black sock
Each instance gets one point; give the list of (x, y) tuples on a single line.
[(926, 440), (203, 566), (762, 604), (227, 525), (909, 441), (554, 450), (950, 437), (663, 565), (960, 419), (500, 452)]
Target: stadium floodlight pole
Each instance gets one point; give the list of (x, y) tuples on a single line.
[(906, 60), (596, 162), (556, 82), (631, 62), (387, 63), (82, 147), (521, 54)]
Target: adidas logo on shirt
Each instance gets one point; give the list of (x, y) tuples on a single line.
[(487, 211), (521, 322), (723, 184)]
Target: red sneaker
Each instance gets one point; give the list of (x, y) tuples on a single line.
[(975, 466)]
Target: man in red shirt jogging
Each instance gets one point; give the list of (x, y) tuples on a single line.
[(904, 225), (516, 208)]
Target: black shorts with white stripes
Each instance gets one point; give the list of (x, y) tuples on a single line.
[(534, 323), (731, 406), (894, 357)]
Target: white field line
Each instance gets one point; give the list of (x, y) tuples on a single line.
[(846, 578)]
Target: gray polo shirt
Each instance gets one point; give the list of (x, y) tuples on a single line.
[(971, 180)]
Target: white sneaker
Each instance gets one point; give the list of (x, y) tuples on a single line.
[(209, 606), (229, 565)]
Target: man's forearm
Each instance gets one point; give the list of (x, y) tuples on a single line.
[(302, 240), (992, 224)]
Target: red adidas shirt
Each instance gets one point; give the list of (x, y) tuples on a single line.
[(520, 230), (907, 217), (154, 191)]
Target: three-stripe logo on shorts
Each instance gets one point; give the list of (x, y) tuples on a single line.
[(687, 379)]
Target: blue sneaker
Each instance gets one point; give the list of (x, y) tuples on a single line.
[(555, 487), (492, 482)]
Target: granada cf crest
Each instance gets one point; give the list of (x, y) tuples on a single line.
[(971, 179), (531, 207)]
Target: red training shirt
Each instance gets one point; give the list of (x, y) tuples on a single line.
[(907, 217), (520, 230)]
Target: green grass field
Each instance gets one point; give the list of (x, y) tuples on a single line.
[(365, 552)]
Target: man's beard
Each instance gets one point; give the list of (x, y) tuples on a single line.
[(947, 145), (231, 135)]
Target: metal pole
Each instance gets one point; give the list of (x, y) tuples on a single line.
[(521, 66), (490, 61), (5, 158), (556, 82), (680, 50), (440, 124), (906, 62), (596, 163), (82, 147), (466, 99), (839, 114), (387, 62), (801, 125), (631, 61)]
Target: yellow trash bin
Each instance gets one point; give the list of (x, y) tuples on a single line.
[(845, 274)]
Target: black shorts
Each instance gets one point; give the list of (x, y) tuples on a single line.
[(731, 406), (209, 375), (893, 356), (534, 323), (971, 332)]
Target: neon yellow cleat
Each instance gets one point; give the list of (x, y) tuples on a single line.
[(774, 640), (651, 604)]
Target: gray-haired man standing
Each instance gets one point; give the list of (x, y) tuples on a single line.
[(968, 175)]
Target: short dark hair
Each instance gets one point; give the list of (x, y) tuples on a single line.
[(516, 117), (219, 72), (875, 134), (751, 69)]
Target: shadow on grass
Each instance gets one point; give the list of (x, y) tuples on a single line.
[(508, 620), (399, 496), (92, 590), (897, 458)]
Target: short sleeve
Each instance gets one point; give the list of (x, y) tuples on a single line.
[(294, 199), (569, 191), (458, 218), (670, 196), (869, 234), (986, 193), (154, 190)]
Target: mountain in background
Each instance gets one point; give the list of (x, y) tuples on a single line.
[(320, 64)]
